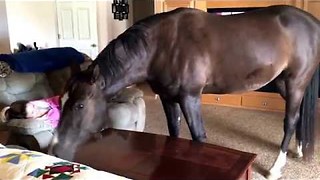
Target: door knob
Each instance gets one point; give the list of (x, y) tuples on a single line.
[(93, 45)]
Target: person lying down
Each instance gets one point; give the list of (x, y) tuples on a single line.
[(44, 109)]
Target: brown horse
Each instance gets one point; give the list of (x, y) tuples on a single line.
[(187, 52)]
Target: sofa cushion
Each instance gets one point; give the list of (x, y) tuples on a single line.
[(127, 110), (127, 95), (23, 86), (28, 126), (5, 69)]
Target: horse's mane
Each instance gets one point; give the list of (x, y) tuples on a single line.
[(133, 42), (128, 46), (133, 45)]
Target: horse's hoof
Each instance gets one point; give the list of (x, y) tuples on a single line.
[(273, 175), (298, 155)]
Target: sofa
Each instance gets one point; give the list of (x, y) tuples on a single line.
[(127, 109)]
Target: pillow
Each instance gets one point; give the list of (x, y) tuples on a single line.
[(29, 126), (5, 69), (25, 164)]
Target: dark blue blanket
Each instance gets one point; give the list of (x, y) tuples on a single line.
[(42, 60)]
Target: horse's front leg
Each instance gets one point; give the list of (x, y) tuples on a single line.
[(293, 102), (191, 108), (172, 112)]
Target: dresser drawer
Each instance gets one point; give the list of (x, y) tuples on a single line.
[(266, 103), (231, 100)]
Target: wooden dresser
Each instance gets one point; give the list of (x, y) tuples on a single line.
[(250, 100), (312, 6)]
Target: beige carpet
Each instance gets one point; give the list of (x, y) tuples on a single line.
[(245, 130)]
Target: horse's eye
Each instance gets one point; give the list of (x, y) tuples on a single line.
[(79, 106)]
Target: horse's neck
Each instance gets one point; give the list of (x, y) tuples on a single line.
[(129, 55), (132, 74)]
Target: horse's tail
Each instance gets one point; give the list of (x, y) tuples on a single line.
[(307, 123)]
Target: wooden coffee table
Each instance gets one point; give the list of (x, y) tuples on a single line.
[(139, 155)]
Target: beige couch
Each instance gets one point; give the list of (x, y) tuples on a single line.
[(127, 109)]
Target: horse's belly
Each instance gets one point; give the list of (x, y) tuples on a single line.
[(237, 83), (233, 88)]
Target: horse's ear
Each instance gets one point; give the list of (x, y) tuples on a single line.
[(97, 77), (95, 71), (102, 83)]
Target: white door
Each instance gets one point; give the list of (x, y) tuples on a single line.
[(77, 24)]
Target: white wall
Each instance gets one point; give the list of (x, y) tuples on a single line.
[(109, 28), (32, 21), (4, 32), (35, 21)]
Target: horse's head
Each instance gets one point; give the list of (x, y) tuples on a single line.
[(83, 112)]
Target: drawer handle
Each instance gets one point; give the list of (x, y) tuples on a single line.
[(217, 99), (264, 103)]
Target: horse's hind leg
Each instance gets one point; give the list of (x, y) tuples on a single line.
[(191, 108), (299, 153), (280, 83), (294, 94), (172, 112)]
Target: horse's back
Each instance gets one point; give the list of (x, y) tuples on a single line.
[(232, 53), (274, 40)]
